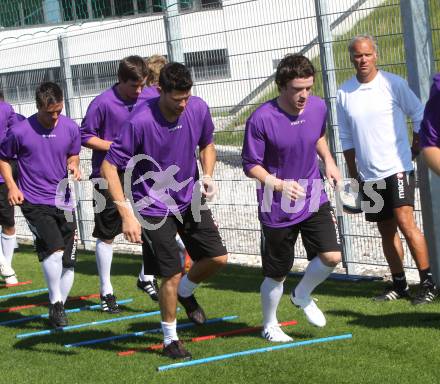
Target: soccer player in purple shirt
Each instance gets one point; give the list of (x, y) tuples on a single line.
[(430, 128), (7, 221), (46, 146), (282, 140), (154, 64), (100, 127), (158, 146)]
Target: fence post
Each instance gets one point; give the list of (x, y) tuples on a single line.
[(330, 88), (420, 65), (172, 31), (66, 74), (21, 14), (67, 85), (90, 9)]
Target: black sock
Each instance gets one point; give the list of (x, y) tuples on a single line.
[(399, 281), (426, 276)]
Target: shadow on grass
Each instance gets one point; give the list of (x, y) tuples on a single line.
[(122, 265), (248, 280), (30, 322), (231, 278), (391, 320), (138, 343), (70, 337)]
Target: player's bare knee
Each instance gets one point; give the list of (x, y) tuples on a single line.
[(331, 259), (220, 261), (407, 225), (9, 231), (171, 280), (278, 279)]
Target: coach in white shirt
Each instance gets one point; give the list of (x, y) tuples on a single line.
[(372, 110)]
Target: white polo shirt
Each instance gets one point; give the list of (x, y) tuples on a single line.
[(372, 120)]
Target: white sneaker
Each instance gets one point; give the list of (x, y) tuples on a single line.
[(313, 314), (274, 334), (11, 280), (8, 273)]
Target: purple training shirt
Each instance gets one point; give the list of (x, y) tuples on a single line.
[(285, 146), (172, 166), (41, 156), (150, 92), (104, 119), (7, 119), (430, 127)]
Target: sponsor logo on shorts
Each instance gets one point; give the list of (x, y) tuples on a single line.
[(75, 244), (335, 222), (400, 186)]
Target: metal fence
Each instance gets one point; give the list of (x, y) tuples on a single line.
[(232, 49)]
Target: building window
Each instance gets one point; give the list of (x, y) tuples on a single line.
[(198, 5), (157, 6), (205, 4), (19, 87), (208, 65)]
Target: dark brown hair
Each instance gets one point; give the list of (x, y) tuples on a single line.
[(175, 76), (48, 93), (132, 68), (293, 66)]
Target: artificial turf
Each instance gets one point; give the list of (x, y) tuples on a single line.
[(391, 341)]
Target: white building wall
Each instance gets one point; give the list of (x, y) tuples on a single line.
[(254, 33)]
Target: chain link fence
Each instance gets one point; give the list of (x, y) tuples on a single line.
[(232, 48)]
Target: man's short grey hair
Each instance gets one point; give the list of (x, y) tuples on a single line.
[(357, 38)]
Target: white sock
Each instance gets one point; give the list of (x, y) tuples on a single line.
[(52, 268), (8, 246), (271, 292), (66, 282), (143, 277), (104, 256), (186, 287), (2, 258), (316, 272), (169, 332)]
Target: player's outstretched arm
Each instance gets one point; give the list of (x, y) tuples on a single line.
[(15, 196), (332, 172), (130, 225), (73, 166), (208, 157), (432, 157), (98, 144)]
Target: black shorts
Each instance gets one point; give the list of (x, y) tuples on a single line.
[(319, 234), (6, 210), (7, 218), (108, 223), (52, 231), (398, 191), (161, 252)]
